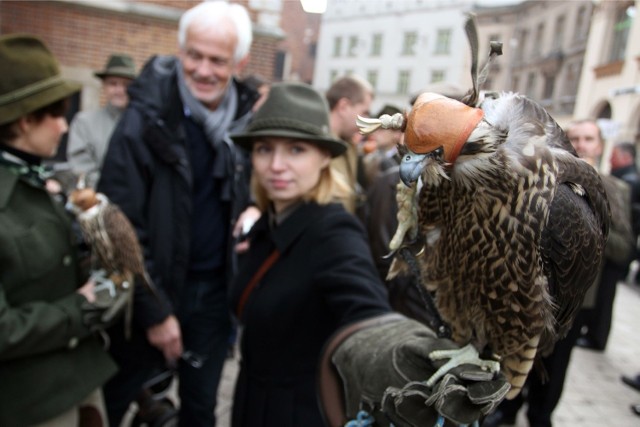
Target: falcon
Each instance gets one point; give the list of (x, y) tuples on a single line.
[(115, 248), (505, 225)]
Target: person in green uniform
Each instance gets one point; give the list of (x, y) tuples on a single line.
[(51, 363)]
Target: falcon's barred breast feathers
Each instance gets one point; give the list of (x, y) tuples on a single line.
[(506, 223)]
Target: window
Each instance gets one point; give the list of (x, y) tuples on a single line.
[(353, 46), (372, 78), (409, 44), (403, 82), (530, 91), (522, 45), (579, 31), (549, 85), (558, 37), (515, 84), (569, 88), (572, 79), (376, 45), (281, 60), (537, 46), (337, 46), (437, 76), (333, 75), (443, 42), (624, 19)]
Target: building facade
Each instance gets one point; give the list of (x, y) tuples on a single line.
[(610, 80), (544, 44), (83, 33), (297, 50), (400, 47), (406, 47)]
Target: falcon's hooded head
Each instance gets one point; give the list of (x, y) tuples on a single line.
[(437, 128)]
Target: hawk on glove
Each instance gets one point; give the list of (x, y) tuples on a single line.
[(506, 224), (115, 248)]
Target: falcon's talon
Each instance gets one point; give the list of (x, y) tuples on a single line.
[(467, 354)]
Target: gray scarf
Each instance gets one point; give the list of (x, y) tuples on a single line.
[(216, 125)]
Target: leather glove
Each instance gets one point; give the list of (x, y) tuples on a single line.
[(111, 302), (384, 370)]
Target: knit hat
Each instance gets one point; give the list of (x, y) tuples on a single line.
[(118, 65), (30, 77), (293, 110)]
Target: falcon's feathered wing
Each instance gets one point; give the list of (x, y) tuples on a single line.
[(507, 225), (513, 232)]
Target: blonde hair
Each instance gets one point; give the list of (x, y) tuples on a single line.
[(331, 187)]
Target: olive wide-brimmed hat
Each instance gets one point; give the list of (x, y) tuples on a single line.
[(30, 77), (118, 65), (293, 110)]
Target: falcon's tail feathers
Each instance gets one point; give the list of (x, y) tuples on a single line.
[(517, 366)]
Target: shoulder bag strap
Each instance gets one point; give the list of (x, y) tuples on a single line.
[(266, 265)]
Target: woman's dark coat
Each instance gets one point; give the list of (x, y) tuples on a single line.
[(324, 279)]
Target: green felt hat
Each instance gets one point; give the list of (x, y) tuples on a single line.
[(293, 110), (30, 77), (118, 65)]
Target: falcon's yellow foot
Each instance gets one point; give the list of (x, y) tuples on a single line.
[(457, 357)]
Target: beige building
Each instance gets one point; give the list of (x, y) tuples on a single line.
[(400, 47), (610, 79), (544, 44), (497, 24)]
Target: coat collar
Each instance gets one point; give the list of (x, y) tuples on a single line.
[(293, 226)]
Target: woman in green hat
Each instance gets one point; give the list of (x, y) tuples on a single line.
[(322, 258), (307, 282), (51, 364)]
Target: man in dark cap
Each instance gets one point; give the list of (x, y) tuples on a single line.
[(91, 130)]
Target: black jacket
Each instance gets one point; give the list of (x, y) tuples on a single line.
[(147, 173), (324, 279), (629, 174)]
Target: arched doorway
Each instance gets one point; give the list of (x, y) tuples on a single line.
[(604, 111)]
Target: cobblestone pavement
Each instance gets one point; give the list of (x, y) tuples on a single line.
[(594, 396)]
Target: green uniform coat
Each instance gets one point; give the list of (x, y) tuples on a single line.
[(49, 360)]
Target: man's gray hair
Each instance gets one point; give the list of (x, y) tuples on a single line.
[(211, 13)]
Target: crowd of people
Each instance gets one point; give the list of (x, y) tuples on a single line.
[(262, 220)]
